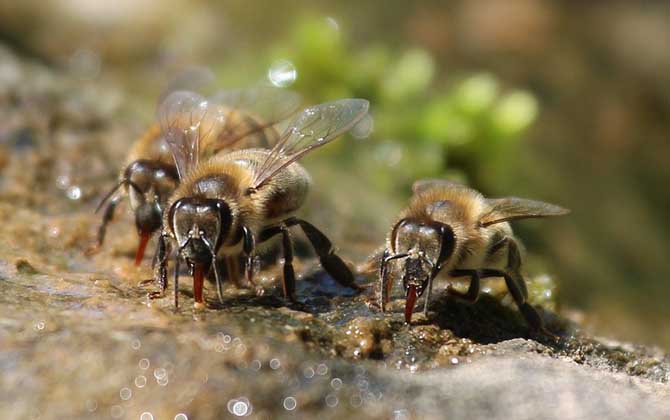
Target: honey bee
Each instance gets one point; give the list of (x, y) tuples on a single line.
[(453, 229), (233, 202), (229, 120)]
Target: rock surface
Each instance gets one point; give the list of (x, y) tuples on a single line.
[(79, 338)]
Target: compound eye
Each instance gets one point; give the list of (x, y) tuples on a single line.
[(209, 223), (407, 228), (428, 232), (136, 197), (405, 235), (181, 220), (164, 185)]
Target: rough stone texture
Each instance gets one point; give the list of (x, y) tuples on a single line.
[(79, 339)]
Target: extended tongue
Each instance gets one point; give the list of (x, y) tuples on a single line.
[(144, 239), (409, 303), (198, 277)]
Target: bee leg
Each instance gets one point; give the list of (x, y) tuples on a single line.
[(160, 269), (289, 272), (384, 290), (107, 217), (514, 265), (472, 294), (428, 292), (176, 282), (514, 271), (330, 261), (233, 270), (288, 283), (248, 248)]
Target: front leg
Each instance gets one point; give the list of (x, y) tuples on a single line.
[(428, 293), (289, 272), (384, 290), (249, 249), (107, 217), (160, 267)]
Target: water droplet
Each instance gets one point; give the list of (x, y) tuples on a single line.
[(54, 232), (290, 403), (160, 373), (239, 407), (275, 364), (162, 381), (400, 415), (144, 364), (63, 181), (146, 416), (308, 372), (91, 405), (363, 128), (181, 416), (454, 360), (333, 23), (332, 400), (125, 394), (356, 401), (389, 153), (256, 365), (116, 411), (136, 344), (322, 369), (73, 193), (85, 63), (282, 73), (40, 325), (336, 383), (140, 381)]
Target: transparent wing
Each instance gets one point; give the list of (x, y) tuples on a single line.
[(185, 118), (259, 107), (425, 184), (511, 208), (313, 127)]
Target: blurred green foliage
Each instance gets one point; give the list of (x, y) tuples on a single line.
[(421, 123)]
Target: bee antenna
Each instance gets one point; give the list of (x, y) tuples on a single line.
[(115, 189), (396, 256), (108, 196)]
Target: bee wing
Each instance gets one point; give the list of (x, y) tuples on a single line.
[(313, 127), (425, 184), (261, 107), (511, 208), (185, 117)]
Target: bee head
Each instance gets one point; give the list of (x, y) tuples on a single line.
[(422, 248), (199, 226), (149, 185)]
